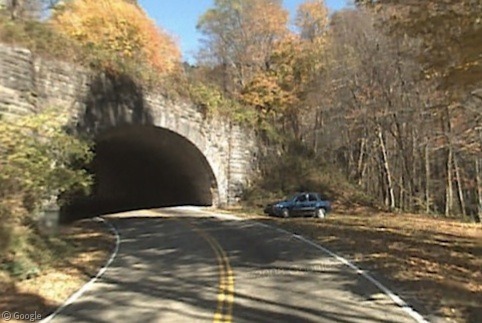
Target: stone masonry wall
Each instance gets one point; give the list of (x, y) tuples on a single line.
[(28, 84), (17, 82)]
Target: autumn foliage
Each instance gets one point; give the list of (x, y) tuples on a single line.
[(312, 19), (124, 34), (240, 35)]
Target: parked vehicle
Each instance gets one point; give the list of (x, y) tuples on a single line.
[(301, 204)]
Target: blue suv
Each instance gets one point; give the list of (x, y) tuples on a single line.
[(301, 204)]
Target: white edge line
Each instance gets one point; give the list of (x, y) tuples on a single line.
[(84, 288), (394, 297)]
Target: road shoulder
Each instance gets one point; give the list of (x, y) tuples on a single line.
[(431, 263), (89, 244)]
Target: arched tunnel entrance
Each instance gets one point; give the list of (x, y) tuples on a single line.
[(139, 167)]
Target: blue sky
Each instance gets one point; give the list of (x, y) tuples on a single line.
[(179, 18)]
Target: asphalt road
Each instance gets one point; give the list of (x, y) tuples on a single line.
[(182, 265)]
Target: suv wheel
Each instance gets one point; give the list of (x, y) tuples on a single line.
[(285, 213), (320, 213)]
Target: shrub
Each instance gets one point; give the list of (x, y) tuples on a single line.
[(297, 169), (36, 157), (214, 103), (40, 38)]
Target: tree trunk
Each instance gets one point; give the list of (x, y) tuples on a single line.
[(460, 191), (478, 179), (449, 193), (360, 164), (386, 166), (427, 179), (316, 128), (14, 9)]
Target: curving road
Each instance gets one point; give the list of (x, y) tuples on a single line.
[(188, 265)]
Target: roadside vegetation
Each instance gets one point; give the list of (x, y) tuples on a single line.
[(40, 167), (39, 161), (378, 106)]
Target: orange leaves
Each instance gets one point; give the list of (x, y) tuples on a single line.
[(265, 93), (116, 30), (276, 90), (295, 62), (266, 65)]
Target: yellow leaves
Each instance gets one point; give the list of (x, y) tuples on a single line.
[(262, 63), (312, 19), (269, 17), (215, 103), (121, 30), (242, 32), (295, 62), (78, 34)]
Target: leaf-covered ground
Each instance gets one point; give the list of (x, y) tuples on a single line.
[(432, 263), (90, 245)]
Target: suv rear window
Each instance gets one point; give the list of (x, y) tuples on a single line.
[(312, 197)]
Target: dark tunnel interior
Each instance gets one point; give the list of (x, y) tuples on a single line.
[(138, 167)]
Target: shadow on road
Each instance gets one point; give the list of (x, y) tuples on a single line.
[(166, 272)]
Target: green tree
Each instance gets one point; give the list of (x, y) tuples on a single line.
[(38, 161)]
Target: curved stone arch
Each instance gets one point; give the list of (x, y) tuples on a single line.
[(197, 133), (176, 157), (195, 137), (98, 101), (134, 107)]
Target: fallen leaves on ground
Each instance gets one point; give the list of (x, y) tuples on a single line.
[(43, 294), (433, 261)]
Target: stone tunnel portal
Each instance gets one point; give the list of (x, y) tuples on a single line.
[(138, 167)]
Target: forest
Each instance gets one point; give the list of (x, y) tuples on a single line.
[(385, 96), (377, 106), (386, 92)]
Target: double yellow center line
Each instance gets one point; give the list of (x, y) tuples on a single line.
[(224, 309), (225, 297)]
